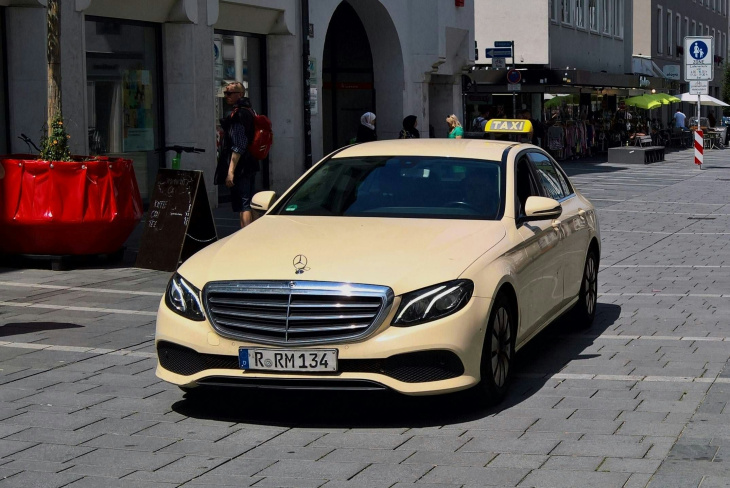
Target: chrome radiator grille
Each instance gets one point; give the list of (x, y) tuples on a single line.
[(295, 312)]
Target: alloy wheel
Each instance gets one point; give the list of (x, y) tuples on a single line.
[(501, 347)]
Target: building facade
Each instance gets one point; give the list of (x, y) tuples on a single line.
[(140, 75), (671, 21), (580, 47)]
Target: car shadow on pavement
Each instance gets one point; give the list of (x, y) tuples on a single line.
[(20, 328), (545, 355)]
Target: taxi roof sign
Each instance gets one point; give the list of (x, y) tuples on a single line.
[(508, 126)]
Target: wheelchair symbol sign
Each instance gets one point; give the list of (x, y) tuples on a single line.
[(698, 50)]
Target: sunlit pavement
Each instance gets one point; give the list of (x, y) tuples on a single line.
[(640, 398)]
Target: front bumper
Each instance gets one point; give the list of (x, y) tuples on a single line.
[(436, 357)]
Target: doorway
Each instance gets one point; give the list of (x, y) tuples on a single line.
[(347, 78)]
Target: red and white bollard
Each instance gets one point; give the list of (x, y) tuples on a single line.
[(699, 147)]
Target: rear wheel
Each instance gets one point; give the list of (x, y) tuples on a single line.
[(497, 353), (585, 310)]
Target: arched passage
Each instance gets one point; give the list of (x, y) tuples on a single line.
[(386, 71), (347, 77)]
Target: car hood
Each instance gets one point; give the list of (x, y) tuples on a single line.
[(405, 254)]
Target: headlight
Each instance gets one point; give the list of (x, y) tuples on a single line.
[(433, 302), (183, 298)]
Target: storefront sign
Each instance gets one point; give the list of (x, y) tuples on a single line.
[(671, 71), (698, 59)]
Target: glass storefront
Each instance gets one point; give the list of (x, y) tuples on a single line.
[(4, 134), (239, 57), (122, 89)]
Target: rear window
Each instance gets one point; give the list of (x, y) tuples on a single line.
[(403, 186)]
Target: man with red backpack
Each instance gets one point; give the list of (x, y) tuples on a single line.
[(237, 167)]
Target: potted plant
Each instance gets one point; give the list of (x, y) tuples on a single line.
[(56, 204)]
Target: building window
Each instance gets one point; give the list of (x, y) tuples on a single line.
[(565, 11), (619, 18), (552, 6), (678, 34), (700, 29), (593, 15), (669, 32), (659, 33), (606, 14), (122, 89), (687, 32), (580, 14)]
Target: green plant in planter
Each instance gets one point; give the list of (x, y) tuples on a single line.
[(54, 146)]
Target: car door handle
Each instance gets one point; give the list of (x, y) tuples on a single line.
[(582, 214)]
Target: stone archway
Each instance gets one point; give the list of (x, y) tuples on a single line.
[(388, 76)]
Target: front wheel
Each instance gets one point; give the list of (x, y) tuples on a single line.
[(497, 353), (585, 310)]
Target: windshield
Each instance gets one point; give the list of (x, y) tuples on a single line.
[(400, 186)]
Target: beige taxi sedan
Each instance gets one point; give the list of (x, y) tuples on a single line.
[(419, 266)]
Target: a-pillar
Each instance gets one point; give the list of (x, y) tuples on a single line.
[(187, 57)]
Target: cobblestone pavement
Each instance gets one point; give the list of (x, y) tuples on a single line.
[(640, 399)]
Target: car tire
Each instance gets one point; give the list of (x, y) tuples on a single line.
[(498, 353), (585, 310)]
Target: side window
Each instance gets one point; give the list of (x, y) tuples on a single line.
[(525, 184), (551, 179)]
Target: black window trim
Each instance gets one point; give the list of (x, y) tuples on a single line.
[(559, 170)]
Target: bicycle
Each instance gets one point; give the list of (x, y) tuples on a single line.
[(177, 158)]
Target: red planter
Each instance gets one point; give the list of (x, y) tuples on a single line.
[(60, 208)]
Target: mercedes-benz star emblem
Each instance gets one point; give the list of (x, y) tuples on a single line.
[(300, 263)]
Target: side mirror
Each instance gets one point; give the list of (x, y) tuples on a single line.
[(541, 208), (262, 201)]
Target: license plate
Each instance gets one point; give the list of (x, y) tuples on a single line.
[(300, 360)]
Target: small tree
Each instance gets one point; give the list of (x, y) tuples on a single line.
[(54, 145), (726, 87)]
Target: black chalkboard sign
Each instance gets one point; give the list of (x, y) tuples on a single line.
[(179, 222)]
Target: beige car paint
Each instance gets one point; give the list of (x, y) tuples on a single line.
[(404, 254)]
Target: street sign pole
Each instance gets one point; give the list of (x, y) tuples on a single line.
[(514, 93), (698, 66)]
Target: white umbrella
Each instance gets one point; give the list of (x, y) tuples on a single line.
[(704, 100)]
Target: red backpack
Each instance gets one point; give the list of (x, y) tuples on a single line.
[(263, 136)]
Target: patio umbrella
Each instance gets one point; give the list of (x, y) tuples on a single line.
[(643, 101), (704, 100), (664, 98)]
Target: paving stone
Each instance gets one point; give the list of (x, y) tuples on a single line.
[(313, 469), (577, 479), (465, 475)]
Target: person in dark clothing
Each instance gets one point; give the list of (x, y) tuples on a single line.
[(366, 130), (236, 167), (538, 129), (409, 130), (711, 118)]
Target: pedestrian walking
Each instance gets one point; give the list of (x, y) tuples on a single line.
[(480, 121), (456, 131), (409, 130), (366, 130), (236, 166)]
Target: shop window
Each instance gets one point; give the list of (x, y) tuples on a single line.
[(4, 129), (122, 90)]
